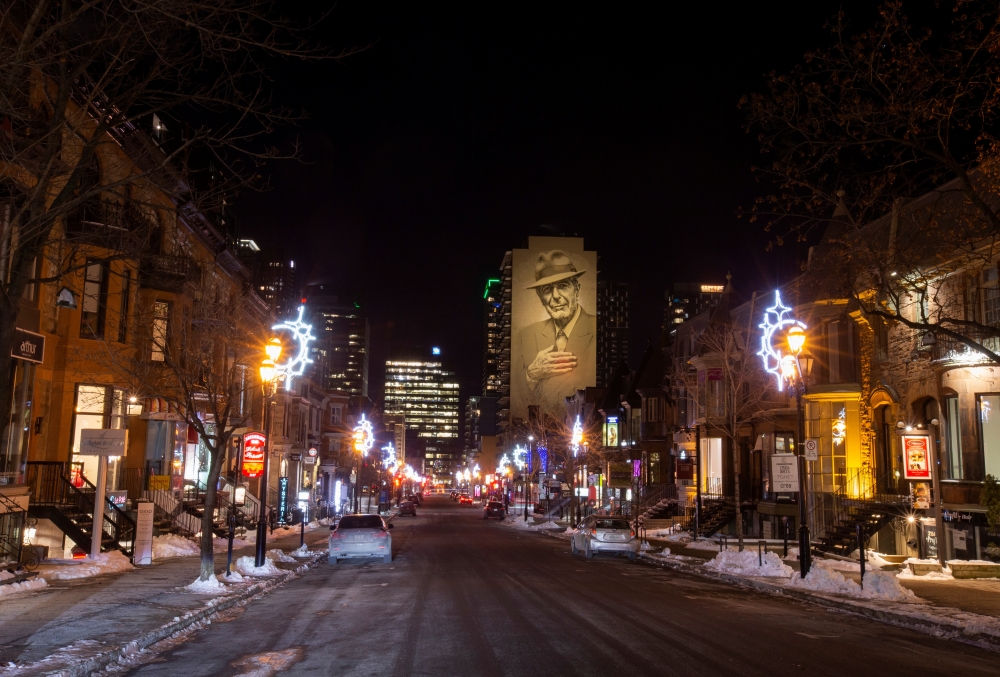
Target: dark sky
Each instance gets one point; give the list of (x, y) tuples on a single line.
[(462, 130)]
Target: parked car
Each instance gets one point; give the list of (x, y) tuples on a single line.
[(407, 508), (494, 509), (605, 534), (454, 496), (465, 498), (360, 536)]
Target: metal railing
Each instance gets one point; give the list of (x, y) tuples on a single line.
[(861, 493), (11, 530)]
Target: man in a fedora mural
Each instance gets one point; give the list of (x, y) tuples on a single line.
[(557, 356)]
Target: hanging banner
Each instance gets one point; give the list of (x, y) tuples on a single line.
[(916, 457), (785, 472), (611, 432), (253, 454)]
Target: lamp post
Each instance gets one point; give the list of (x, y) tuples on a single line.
[(268, 373), (793, 372), (527, 479)]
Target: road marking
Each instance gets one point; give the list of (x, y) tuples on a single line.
[(384, 584)]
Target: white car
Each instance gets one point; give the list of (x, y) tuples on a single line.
[(599, 533), (360, 536)]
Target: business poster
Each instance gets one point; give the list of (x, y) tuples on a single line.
[(916, 463), (553, 324)]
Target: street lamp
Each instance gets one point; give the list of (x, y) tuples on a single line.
[(794, 374), (268, 373)]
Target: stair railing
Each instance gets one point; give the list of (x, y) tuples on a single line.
[(861, 490), (653, 495), (117, 524), (12, 521)]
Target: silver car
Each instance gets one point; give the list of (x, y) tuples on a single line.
[(600, 533), (360, 536)]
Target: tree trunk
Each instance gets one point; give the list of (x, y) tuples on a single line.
[(736, 492), (207, 521)]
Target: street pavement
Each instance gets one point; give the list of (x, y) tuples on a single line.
[(469, 597)]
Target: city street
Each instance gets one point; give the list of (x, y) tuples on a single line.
[(469, 597)]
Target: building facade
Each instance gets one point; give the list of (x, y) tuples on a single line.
[(612, 329), (342, 347)]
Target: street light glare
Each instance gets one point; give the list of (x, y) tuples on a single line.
[(267, 370), (796, 339), (273, 349)]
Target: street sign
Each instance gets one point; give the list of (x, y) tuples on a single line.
[(102, 442), (785, 473), (812, 449)]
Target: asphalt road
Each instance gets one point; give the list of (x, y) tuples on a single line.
[(468, 597)]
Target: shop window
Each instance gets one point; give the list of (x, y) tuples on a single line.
[(827, 423), (711, 465), (989, 427), (953, 433), (95, 290), (14, 445), (97, 406), (161, 325)]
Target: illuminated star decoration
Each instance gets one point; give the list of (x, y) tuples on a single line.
[(519, 455), (302, 335), (364, 437), (577, 436), (389, 456), (775, 322)]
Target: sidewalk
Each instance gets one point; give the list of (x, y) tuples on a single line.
[(85, 617)]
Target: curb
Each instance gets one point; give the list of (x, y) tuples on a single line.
[(105, 659), (942, 630)]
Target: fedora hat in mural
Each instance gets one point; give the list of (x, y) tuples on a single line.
[(552, 267)]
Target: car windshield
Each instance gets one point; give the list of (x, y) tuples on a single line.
[(610, 524), (360, 522)]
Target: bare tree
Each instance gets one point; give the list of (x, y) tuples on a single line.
[(205, 368), (727, 384), (108, 105), (892, 129)]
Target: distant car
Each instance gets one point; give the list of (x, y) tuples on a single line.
[(408, 508), (465, 498), (494, 509), (454, 495), (605, 534), (360, 536)]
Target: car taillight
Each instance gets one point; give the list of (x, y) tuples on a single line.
[(631, 534), (593, 532), (382, 534), (335, 534)]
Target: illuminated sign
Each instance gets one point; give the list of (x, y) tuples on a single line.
[(916, 465), (712, 289), (254, 445), (611, 432)]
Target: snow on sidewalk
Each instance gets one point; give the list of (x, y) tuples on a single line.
[(878, 585), (23, 586), (105, 563), (172, 545), (748, 563)]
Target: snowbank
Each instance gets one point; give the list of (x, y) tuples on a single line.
[(907, 572), (210, 587), (278, 556), (245, 565), (23, 586), (301, 551), (837, 565), (233, 577), (105, 563), (670, 534), (746, 564), (878, 585), (172, 545)]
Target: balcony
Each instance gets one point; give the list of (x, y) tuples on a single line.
[(168, 273)]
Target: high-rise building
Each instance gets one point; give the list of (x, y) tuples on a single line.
[(340, 352), (471, 432), (684, 300), (249, 253), (493, 317), (276, 283), (612, 329), (503, 366), (426, 395)]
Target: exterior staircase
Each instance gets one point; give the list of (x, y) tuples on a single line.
[(658, 503), (715, 514), (70, 506), (863, 499)]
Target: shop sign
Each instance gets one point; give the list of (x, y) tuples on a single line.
[(952, 516), (922, 495), (916, 463), (685, 470), (295, 457), (310, 460), (159, 482), (611, 432), (785, 472), (28, 346), (253, 454), (144, 533), (102, 442), (282, 498)]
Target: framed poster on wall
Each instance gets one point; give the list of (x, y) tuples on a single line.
[(916, 457)]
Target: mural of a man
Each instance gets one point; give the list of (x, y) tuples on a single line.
[(557, 356)]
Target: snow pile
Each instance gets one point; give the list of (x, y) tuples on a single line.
[(711, 545), (301, 551), (210, 587), (172, 545), (245, 565), (105, 563), (746, 563), (222, 544), (4, 575), (837, 565), (646, 547), (23, 586), (278, 556), (547, 525), (670, 533), (907, 572), (233, 577), (878, 585)]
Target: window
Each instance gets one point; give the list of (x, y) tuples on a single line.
[(161, 323), (97, 406), (123, 308), (881, 331), (953, 461), (989, 426), (335, 415), (95, 290), (991, 297)]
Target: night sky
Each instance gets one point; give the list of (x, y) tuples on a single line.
[(461, 130)]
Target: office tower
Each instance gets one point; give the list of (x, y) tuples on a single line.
[(685, 300), (340, 353)]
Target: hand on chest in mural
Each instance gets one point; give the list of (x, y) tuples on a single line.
[(551, 362)]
